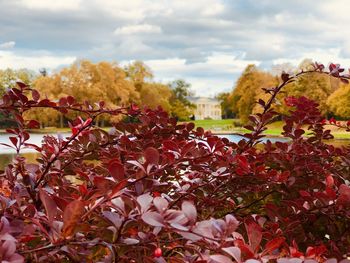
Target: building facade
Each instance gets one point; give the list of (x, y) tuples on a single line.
[(206, 108)]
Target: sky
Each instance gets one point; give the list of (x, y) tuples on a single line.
[(206, 42)]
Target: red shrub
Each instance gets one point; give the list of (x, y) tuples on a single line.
[(152, 190)]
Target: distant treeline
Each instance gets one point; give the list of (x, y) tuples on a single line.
[(103, 81), (332, 95), (118, 86)]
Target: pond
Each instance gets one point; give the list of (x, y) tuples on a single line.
[(7, 154)]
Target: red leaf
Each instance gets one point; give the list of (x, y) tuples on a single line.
[(313, 252), (153, 219), (221, 259), (144, 201), (189, 210), (151, 155), (304, 193), (298, 132), (44, 102), (49, 204), (234, 252), (284, 76), (273, 244), (116, 170), (61, 203), (62, 102), (332, 66), (246, 251), (87, 122), (161, 204), (83, 190), (254, 234), (70, 100), (35, 95), (14, 140), (8, 249), (33, 124), (75, 130), (200, 131), (170, 145), (190, 126), (243, 162), (102, 183), (71, 216), (119, 186), (329, 181), (21, 84), (344, 197)]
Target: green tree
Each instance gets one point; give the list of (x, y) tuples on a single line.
[(181, 107), (8, 79), (226, 102)]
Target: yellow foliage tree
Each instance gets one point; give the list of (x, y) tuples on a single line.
[(87, 81), (156, 94), (248, 90), (339, 102)]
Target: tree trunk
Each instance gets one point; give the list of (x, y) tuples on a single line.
[(61, 120)]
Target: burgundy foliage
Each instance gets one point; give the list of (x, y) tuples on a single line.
[(152, 190)]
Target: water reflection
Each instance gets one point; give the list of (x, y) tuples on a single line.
[(7, 154)]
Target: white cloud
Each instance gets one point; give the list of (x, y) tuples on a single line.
[(138, 29), (331, 55), (7, 45), (207, 78), (58, 5), (134, 10), (9, 59), (198, 40)]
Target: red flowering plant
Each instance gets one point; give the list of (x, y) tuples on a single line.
[(153, 190)]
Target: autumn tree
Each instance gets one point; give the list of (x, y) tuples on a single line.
[(152, 94), (155, 94), (248, 89), (139, 73), (87, 81), (51, 88), (339, 102), (313, 86)]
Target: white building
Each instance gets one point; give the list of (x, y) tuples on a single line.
[(206, 108)]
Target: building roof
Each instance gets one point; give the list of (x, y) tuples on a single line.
[(203, 99)]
